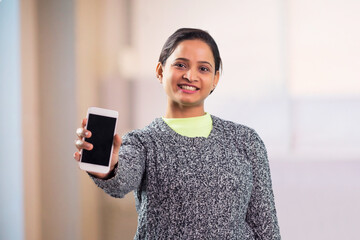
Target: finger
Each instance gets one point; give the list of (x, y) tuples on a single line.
[(80, 144), (77, 156), (81, 133), (83, 123)]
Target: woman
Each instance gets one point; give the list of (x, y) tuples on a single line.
[(195, 176)]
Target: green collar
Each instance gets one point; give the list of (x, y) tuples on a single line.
[(191, 127)]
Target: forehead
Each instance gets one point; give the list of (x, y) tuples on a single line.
[(196, 50)]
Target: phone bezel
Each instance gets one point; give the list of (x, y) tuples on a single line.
[(94, 167)]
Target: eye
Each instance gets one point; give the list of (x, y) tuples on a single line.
[(180, 65), (204, 69)]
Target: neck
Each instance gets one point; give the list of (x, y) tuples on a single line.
[(176, 111)]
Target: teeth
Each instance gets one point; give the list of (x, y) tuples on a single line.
[(188, 87)]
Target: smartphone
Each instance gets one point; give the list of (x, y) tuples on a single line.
[(102, 124)]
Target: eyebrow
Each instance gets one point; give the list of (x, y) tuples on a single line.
[(187, 60)]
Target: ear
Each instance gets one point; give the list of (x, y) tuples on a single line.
[(216, 80), (159, 72)]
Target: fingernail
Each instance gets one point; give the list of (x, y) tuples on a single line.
[(78, 142), (78, 131), (86, 134)]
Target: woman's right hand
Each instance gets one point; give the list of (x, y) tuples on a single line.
[(80, 144)]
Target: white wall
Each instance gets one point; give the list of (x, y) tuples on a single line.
[(324, 50), (290, 69), (11, 191), (317, 200)]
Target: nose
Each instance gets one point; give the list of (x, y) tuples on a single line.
[(191, 75)]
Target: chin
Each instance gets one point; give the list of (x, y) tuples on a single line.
[(190, 103)]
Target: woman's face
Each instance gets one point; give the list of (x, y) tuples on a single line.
[(189, 73)]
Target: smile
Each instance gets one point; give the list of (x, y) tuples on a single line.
[(187, 87)]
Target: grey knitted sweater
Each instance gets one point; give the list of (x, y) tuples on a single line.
[(197, 188)]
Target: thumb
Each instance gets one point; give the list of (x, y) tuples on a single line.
[(117, 143)]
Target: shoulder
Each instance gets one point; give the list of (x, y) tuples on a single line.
[(231, 127), (143, 134), (242, 133)]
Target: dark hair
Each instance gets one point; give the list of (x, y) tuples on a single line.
[(183, 34)]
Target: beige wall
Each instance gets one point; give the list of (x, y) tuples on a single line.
[(100, 38), (70, 55), (30, 103), (57, 118)]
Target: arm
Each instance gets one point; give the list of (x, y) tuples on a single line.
[(261, 213), (127, 174)]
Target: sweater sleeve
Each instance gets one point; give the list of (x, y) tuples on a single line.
[(261, 213), (129, 170)]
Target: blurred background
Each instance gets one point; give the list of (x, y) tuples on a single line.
[(291, 72)]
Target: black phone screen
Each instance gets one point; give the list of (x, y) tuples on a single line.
[(102, 129)]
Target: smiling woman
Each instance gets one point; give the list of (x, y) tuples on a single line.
[(195, 175)]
